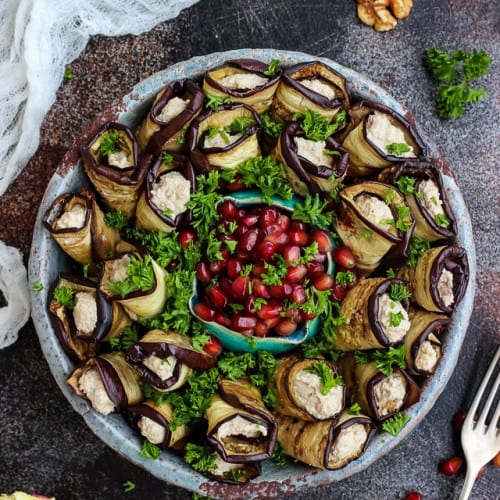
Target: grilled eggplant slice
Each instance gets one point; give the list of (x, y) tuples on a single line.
[(224, 138), (154, 421), (169, 185), (174, 108), (76, 222), (422, 345), (329, 444), (377, 137), (243, 81), (311, 86), (422, 185), (111, 162), (375, 222), (307, 167), (144, 297), (381, 396), (233, 473), (240, 427), (439, 279), (165, 359), (301, 392), (108, 382), (372, 318)]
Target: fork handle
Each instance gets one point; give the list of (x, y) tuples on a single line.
[(470, 479)]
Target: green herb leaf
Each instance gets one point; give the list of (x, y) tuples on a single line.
[(239, 125), (110, 143), (65, 296), (68, 74), (128, 486), (406, 185), (213, 102), (37, 286), (271, 69), (384, 359), (345, 278), (116, 219), (355, 409), (395, 319), (398, 292), (269, 126), (442, 220), (234, 366), (200, 457), (166, 158), (317, 128), (417, 247), (313, 211), (150, 450), (128, 338), (395, 424), (140, 276), (279, 457), (398, 148), (326, 375)]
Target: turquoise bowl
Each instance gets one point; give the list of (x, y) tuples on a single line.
[(235, 341)]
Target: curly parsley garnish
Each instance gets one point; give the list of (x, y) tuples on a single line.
[(150, 450), (395, 424), (110, 143), (384, 359), (398, 292), (140, 276), (65, 296), (200, 457), (313, 211), (326, 376), (272, 67), (398, 148), (317, 128), (213, 102)]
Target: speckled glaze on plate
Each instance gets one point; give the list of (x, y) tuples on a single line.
[(46, 260)]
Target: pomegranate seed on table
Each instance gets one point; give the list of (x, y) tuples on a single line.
[(451, 466), (187, 236), (203, 311), (213, 346), (457, 421), (413, 495), (344, 257), (322, 238)]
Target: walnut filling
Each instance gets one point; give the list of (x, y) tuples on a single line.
[(242, 81), (221, 140), (85, 312), (376, 211), (313, 151), (151, 430), (171, 193), (320, 87), (393, 318), (348, 445), (121, 159), (390, 394), (431, 199), (445, 288), (174, 107), (163, 367), (73, 218), (427, 356), (91, 385), (381, 132)]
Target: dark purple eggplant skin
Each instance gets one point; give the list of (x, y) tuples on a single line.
[(373, 309), (183, 165), (335, 431), (112, 383), (454, 259), (422, 171), (251, 65), (304, 168), (197, 154), (135, 412), (117, 175), (179, 88), (311, 95), (437, 327)]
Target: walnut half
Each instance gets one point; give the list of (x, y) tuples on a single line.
[(383, 14)]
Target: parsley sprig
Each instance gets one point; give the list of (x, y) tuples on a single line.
[(316, 128), (395, 424), (140, 276), (65, 296), (313, 211), (326, 376), (110, 143), (384, 359), (455, 72)]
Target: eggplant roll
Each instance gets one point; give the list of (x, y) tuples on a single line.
[(439, 279), (174, 107), (169, 185), (165, 359), (145, 300), (422, 185), (327, 444), (310, 166), (108, 382), (422, 345), (233, 473), (111, 162), (243, 81), (76, 222), (377, 137), (300, 392), (87, 318), (372, 319), (153, 421), (224, 138), (240, 428), (312, 86), (375, 222), (380, 396)]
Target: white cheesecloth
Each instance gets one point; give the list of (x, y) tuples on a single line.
[(38, 39)]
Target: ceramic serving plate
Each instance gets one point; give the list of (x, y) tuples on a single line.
[(46, 260)]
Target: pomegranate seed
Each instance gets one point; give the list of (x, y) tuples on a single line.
[(300, 226), (203, 311), (279, 239), (239, 287), (226, 286), (186, 237), (272, 228), (261, 329), (259, 289), (322, 238), (280, 291), (248, 240), (235, 185), (233, 268), (323, 281), (216, 298), (283, 221), (250, 220), (242, 323), (203, 272), (216, 266), (320, 257), (339, 292), (297, 273), (308, 316), (272, 322), (298, 295), (227, 209), (222, 319), (291, 253), (451, 466), (294, 314), (315, 268), (298, 237), (270, 310), (457, 421), (285, 327), (259, 268), (266, 249), (344, 257), (249, 304), (268, 215), (240, 231), (413, 495), (213, 347)]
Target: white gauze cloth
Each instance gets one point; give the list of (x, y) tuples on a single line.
[(38, 39)]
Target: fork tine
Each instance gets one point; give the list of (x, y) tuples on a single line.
[(489, 402), (493, 429), (475, 403)]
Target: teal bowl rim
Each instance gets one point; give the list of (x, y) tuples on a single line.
[(46, 260), (237, 342)]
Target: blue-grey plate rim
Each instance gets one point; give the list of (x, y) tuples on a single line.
[(112, 429)]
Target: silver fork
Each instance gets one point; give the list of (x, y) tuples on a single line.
[(481, 441)]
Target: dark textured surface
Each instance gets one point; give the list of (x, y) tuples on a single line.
[(44, 445)]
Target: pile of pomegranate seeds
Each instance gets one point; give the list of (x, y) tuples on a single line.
[(260, 289)]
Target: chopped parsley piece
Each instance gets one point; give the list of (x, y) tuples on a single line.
[(234, 366), (384, 359), (417, 247), (200, 457), (389, 195), (398, 148), (345, 278), (269, 126), (68, 74), (37, 286), (128, 486), (395, 319), (398, 292), (239, 125), (213, 102), (140, 276), (366, 233), (313, 211), (110, 143), (406, 184), (442, 220), (116, 219), (65, 296), (279, 457), (128, 338), (317, 128), (326, 375), (395, 424), (150, 450), (272, 67), (355, 409), (166, 158)]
